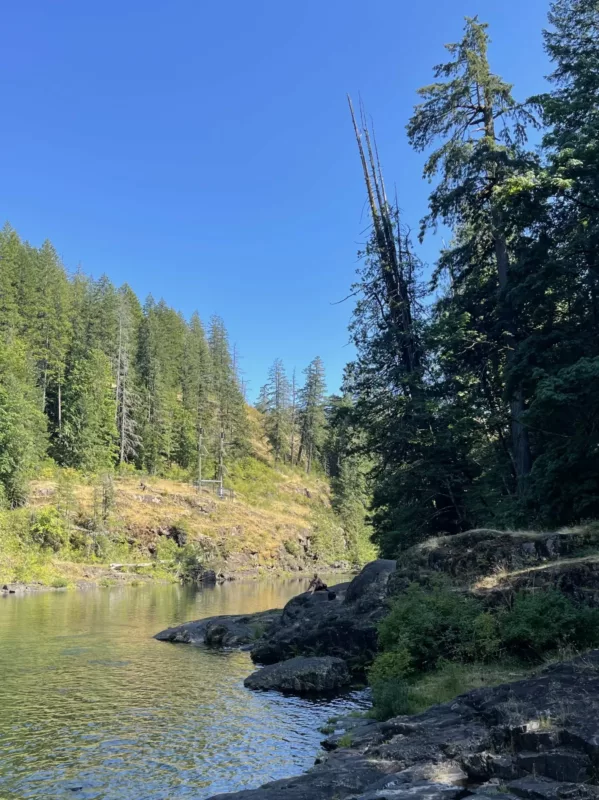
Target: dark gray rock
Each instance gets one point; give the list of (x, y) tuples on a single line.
[(349, 775), (482, 552), (535, 739), (531, 788), (302, 676), (237, 631), (577, 578), (371, 583), (341, 623), (358, 728)]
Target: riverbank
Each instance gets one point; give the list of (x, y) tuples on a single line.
[(457, 619), (275, 522), (534, 739)]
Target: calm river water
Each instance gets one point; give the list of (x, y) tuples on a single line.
[(92, 707)]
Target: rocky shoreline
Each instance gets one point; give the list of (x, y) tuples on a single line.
[(308, 638), (533, 739)]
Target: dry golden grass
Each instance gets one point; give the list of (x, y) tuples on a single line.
[(247, 530), (502, 575)]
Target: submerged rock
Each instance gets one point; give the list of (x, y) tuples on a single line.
[(227, 631), (535, 739), (302, 676)]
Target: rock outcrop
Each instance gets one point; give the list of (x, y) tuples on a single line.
[(237, 631), (304, 676), (576, 578), (481, 552), (340, 622), (535, 739)]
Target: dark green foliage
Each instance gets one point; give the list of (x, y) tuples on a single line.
[(494, 423), (312, 419), (229, 402), (391, 697), (190, 563), (348, 468), (276, 405), (110, 382), (435, 638), (22, 423), (428, 626), (88, 436), (425, 627), (564, 413), (543, 621), (48, 529)]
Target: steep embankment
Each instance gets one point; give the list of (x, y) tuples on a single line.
[(73, 529)]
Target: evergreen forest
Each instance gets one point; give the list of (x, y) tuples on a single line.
[(473, 397), (475, 390)]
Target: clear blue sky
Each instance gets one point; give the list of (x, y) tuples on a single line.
[(203, 151)]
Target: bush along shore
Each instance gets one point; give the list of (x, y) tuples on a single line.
[(479, 652)]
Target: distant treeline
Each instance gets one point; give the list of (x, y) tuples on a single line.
[(91, 378)]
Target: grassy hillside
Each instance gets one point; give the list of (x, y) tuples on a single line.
[(74, 527)]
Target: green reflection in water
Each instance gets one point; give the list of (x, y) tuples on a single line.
[(92, 707)]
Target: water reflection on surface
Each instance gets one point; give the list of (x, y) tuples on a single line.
[(92, 707)]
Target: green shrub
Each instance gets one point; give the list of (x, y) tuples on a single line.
[(547, 620), (391, 665), (437, 642), (189, 562), (48, 529), (441, 623), (391, 698), (292, 547)]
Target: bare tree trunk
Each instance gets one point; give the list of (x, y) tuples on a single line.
[(123, 425), (118, 364), (293, 408)]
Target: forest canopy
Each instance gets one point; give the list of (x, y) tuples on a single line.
[(473, 399), (477, 392)]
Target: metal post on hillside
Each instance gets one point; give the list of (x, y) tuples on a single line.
[(221, 464)]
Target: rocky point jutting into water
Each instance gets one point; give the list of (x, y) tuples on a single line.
[(339, 622), (530, 739)]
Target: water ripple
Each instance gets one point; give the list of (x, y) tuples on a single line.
[(92, 707)]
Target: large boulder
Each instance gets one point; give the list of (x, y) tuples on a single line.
[(236, 631), (369, 588), (302, 676), (341, 622), (535, 739)]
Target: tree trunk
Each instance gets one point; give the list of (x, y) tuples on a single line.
[(520, 440)]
